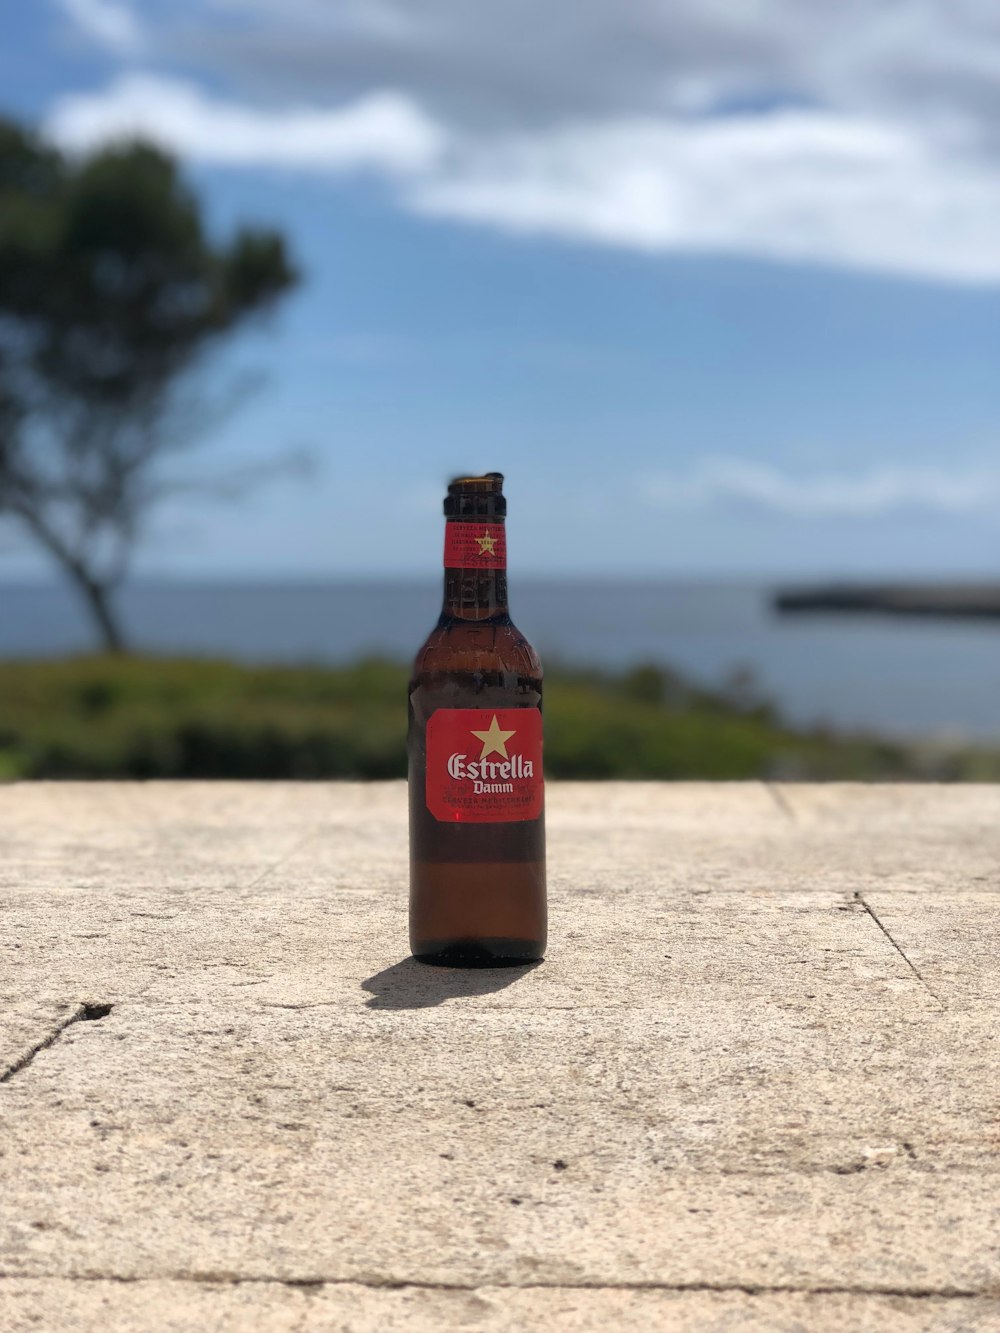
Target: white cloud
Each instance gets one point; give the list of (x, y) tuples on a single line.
[(796, 185), (859, 134), (107, 22), (381, 131), (872, 494), (520, 61)]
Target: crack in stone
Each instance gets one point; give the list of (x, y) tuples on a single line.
[(859, 898), (781, 801), (87, 1012), (314, 1283), (286, 856)]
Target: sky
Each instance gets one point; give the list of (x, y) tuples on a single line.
[(716, 285)]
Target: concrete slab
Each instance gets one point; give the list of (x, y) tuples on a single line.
[(29, 1025), (867, 836), (189, 1307), (300, 941), (753, 1085), (952, 940)]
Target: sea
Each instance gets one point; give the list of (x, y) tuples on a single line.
[(898, 677)]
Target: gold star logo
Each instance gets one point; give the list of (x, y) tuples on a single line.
[(487, 544), (494, 740)]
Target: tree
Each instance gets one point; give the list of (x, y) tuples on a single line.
[(112, 298)]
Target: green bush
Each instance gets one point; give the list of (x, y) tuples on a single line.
[(146, 718)]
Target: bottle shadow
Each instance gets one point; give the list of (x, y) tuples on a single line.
[(412, 985)]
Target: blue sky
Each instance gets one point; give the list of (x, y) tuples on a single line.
[(726, 302)]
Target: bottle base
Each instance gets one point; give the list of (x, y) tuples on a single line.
[(478, 953)]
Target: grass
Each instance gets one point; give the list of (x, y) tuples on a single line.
[(148, 718)]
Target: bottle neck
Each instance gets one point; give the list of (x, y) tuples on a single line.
[(475, 569)]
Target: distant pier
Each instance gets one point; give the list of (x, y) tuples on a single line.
[(975, 601)]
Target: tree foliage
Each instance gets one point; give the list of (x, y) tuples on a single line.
[(112, 296)]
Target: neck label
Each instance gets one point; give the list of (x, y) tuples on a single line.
[(484, 765), (475, 546)]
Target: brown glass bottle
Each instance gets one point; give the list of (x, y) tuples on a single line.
[(477, 832)]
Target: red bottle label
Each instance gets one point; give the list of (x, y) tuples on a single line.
[(484, 765), (475, 546)]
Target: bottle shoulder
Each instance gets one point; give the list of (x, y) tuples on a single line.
[(476, 647)]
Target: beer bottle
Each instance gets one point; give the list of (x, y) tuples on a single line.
[(477, 834)]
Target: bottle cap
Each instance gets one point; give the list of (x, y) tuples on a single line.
[(476, 497)]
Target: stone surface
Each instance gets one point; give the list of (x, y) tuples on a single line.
[(754, 1084), (189, 1307)]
